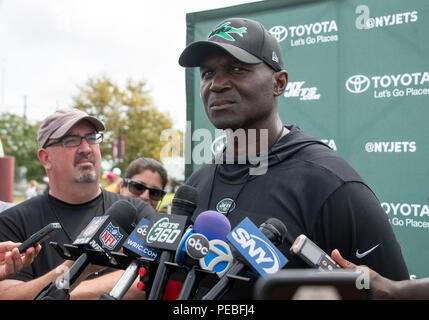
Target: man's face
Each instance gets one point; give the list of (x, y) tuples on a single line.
[(79, 164), (236, 95)]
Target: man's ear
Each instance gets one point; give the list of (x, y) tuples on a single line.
[(43, 156), (280, 82)]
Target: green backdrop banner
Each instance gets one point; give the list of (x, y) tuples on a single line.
[(359, 81)]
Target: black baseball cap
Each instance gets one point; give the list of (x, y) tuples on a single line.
[(246, 40)]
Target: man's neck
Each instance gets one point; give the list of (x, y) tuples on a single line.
[(76, 194), (250, 141)]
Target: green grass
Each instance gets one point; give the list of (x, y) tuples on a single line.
[(18, 199)]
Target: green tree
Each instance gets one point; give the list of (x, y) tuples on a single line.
[(128, 112), (19, 139)]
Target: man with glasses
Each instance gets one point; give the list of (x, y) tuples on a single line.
[(69, 150)]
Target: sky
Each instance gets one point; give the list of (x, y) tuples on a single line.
[(50, 48)]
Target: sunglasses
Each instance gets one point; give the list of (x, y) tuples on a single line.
[(137, 188)]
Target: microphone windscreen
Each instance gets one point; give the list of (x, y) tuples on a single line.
[(186, 195), (124, 214), (279, 227), (212, 224)]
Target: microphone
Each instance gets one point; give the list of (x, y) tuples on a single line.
[(211, 224), (314, 256), (103, 233), (135, 248), (254, 246), (310, 253), (165, 231), (219, 258), (195, 245), (134, 244)]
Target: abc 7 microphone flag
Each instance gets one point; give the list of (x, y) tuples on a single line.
[(218, 259)]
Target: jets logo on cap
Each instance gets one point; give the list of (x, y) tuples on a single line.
[(224, 32), (275, 57)]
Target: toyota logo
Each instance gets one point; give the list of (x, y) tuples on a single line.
[(357, 83), (279, 32)]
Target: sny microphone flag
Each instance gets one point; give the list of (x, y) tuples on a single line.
[(256, 249)]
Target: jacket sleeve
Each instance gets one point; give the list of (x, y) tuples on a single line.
[(11, 229), (353, 221)]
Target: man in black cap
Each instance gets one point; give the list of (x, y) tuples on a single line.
[(69, 150), (305, 184)]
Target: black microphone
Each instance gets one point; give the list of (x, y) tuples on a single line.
[(254, 251), (165, 231), (103, 233), (135, 249)]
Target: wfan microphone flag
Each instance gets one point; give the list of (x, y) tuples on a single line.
[(256, 249)]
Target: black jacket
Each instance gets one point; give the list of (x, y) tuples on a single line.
[(314, 192)]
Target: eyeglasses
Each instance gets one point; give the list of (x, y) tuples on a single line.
[(75, 141), (137, 188)]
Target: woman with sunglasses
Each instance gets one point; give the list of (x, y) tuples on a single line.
[(145, 178)]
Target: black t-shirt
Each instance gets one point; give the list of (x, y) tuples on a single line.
[(21, 221)]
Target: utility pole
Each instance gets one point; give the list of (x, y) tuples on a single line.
[(25, 108), (3, 79)]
